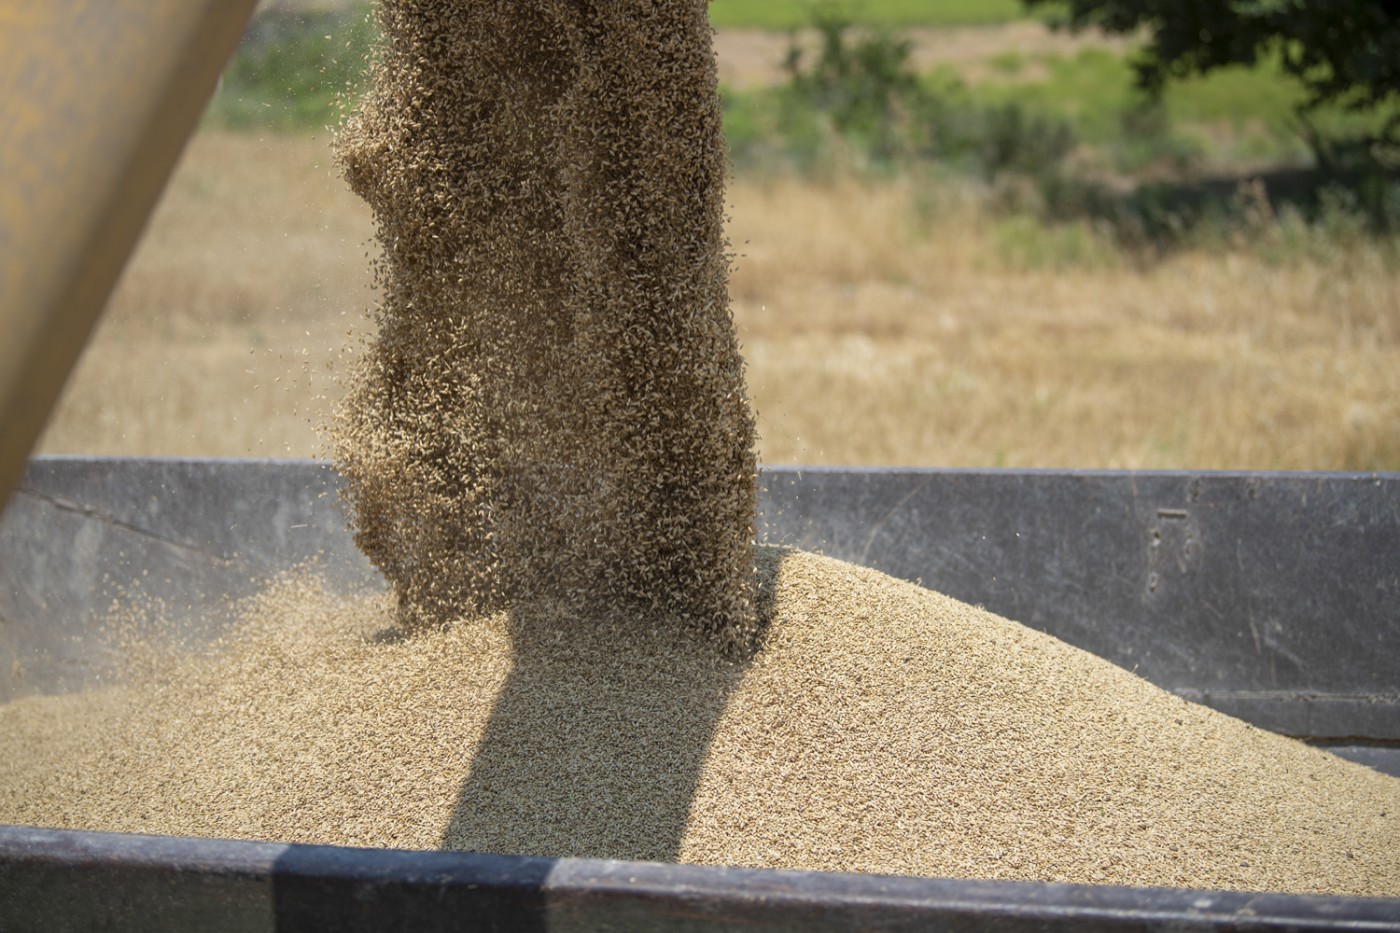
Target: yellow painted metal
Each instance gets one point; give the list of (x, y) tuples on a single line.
[(97, 98)]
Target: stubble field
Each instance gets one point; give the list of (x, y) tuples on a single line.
[(884, 322)]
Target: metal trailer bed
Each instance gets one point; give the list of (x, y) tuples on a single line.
[(1270, 597)]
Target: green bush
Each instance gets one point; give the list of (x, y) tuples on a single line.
[(864, 84), (792, 14), (1342, 54), (857, 99), (1018, 141)]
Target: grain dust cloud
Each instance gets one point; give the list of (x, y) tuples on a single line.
[(554, 408)]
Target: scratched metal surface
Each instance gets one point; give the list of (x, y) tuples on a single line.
[(1273, 597), (64, 880), (81, 535), (1269, 596)]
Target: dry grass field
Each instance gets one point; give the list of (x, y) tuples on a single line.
[(883, 323)]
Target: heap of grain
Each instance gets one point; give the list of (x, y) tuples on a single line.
[(552, 428), (882, 727), (554, 409)]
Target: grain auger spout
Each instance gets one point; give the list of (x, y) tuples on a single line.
[(97, 98)]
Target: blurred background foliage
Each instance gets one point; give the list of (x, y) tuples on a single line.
[(1154, 144), (960, 236)]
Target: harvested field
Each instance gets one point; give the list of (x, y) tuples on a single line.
[(873, 334), (881, 728), (754, 57)]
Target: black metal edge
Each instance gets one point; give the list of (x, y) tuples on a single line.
[(1089, 472), (788, 469), (892, 902), (54, 879), (175, 853)]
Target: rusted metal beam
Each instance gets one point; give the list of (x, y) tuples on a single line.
[(97, 98)]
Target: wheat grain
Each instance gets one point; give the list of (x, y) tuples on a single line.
[(881, 728), (554, 406)]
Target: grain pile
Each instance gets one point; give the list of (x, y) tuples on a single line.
[(881, 728), (554, 407), (551, 430)]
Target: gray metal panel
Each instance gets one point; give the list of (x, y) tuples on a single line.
[(1382, 758), (82, 533), (1172, 573), (1273, 597), (55, 880), (1269, 596)]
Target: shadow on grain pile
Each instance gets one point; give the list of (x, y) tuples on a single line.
[(598, 738)]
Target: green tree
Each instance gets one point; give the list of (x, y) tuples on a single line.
[(1343, 52)]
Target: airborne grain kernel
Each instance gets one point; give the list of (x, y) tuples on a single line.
[(554, 407)]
